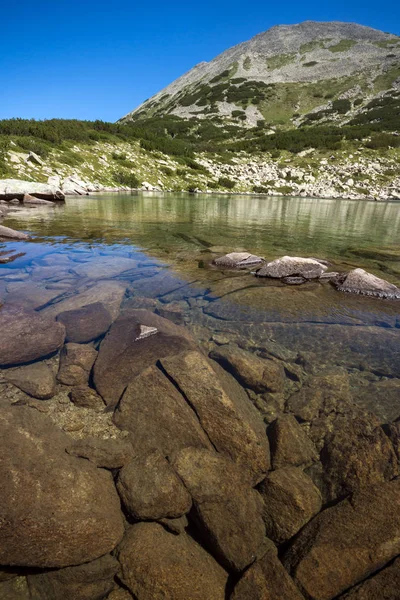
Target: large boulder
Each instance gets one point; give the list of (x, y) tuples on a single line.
[(228, 510), (90, 581), (27, 336), (128, 349), (258, 374), (361, 282), (220, 415), (293, 266), (347, 543), (16, 188), (87, 323), (56, 510), (266, 579), (239, 260), (158, 564), (151, 490), (290, 500), (168, 425)]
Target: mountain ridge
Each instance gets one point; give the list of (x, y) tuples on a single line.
[(333, 54)]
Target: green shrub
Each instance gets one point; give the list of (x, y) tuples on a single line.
[(341, 106), (226, 183), (127, 179), (167, 171)]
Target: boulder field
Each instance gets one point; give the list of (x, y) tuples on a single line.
[(139, 461), (192, 490)]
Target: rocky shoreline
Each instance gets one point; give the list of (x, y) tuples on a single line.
[(139, 462)]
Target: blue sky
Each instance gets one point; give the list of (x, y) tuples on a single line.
[(99, 60)]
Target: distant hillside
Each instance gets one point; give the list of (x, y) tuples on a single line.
[(310, 73)]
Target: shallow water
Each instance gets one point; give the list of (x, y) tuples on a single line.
[(173, 239)]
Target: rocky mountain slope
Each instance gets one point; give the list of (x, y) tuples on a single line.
[(286, 76)]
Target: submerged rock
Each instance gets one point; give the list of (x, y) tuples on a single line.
[(168, 425), (290, 445), (238, 260), (36, 380), (159, 564), (76, 362), (361, 282), (228, 510), (27, 336), (347, 543), (221, 414), (266, 579), (56, 510), (28, 199), (90, 581), (126, 351), (258, 374), (293, 266), (151, 490), (290, 500), (87, 323)]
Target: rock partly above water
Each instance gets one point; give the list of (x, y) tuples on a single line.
[(240, 260), (8, 233), (293, 266), (16, 188), (361, 282)]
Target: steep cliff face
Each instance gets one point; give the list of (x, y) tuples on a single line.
[(284, 75)]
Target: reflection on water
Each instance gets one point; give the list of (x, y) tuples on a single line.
[(185, 232)]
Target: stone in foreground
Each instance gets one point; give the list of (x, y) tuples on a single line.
[(90, 581), (158, 564), (290, 500), (347, 543), (56, 510), (361, 282), (85, 324), (239, 260), (168, 425), (27, 336), (383, 586), (151, 490), (228, 510), (293, 266), (266, 579), (221, 415)]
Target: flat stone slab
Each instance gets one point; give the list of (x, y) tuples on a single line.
[(8, 233)]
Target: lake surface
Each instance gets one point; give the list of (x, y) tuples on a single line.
[(173, 239)]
